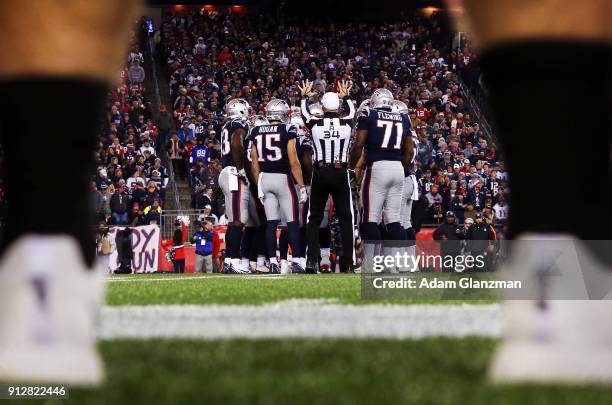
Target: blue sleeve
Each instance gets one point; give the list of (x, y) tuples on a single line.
[(291, 131), (407, 127), (306, 144), (363, 121)]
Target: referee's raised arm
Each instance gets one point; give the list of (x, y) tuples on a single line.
[(306, 91)]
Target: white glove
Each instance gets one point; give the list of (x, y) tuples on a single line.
[(303, 195)]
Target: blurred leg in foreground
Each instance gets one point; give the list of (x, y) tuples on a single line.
[(547, 66), (57, 61)]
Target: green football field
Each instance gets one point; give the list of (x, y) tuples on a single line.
[(295, 369)]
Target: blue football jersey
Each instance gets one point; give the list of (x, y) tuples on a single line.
[(270, 142), (226, 139), (386, 132)]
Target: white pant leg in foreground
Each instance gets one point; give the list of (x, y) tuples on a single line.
[(48, 305)]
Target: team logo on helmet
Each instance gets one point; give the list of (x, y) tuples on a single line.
[(381, 98), (237, 108), (399, 106), (277, 110), (316, 109)]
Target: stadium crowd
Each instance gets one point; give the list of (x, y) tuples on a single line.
[(129, 186), (214, 57)]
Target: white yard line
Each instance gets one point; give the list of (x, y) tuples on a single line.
[(300, 319), (145, 279)]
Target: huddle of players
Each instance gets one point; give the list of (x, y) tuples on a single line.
[(265, 160)]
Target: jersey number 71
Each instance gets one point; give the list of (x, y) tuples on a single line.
[(388, 126)]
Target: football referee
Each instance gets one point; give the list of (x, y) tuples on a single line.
[(331, 138)]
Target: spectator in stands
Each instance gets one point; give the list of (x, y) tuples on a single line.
[(204, 198), (152, 213), (152, 193), (136, 216), (500, 210), (209, 216), (133, 181), (105, 245), (97, 199), (107, 194), (175, 149), (139, 194), (119, 204), (209, 175), (146, 147), (136, 73), (476, 195), (469, 212)]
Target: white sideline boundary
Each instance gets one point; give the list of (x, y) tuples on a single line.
[(144, 279), (190, 278), (299, 319)]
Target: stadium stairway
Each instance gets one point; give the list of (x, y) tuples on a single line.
[(158, 91)]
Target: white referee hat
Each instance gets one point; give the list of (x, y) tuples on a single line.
[(330, 101)]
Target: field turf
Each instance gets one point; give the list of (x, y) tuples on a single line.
[(432, 370), (167, 289)]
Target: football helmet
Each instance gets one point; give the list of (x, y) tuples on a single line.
[(399, 106), (237, 108), (260, 120), (277, 110), (316, 109), (381, 98), (365, 103), (297, 120)]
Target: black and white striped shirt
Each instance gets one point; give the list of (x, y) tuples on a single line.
[(331, 134)]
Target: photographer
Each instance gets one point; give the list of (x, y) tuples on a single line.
[(125, 251), (105, 245), (203, 240)]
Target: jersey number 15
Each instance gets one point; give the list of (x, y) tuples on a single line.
[(271, 151)]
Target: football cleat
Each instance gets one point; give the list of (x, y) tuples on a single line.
[(231, 269), (265, 269), (241, 269), (547, 338), (226, 268), (325, 268), (297, 269), (311, 267), (50, 301), (284, 267), (274, 268)]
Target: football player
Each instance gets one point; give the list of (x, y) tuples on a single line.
[(411, 188), (274, 162), (234, 183), (385, 137)]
